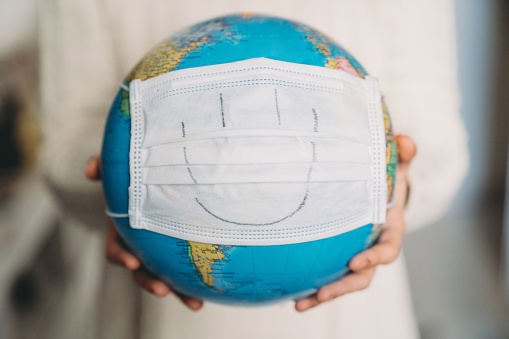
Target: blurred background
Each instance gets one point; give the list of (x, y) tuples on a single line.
[(458, 267)]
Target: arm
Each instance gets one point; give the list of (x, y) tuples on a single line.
[(79, 74), (418, 77), (422, 93), (387, 248), (118, 254)]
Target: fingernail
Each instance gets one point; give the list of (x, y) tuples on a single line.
[(322, 297)]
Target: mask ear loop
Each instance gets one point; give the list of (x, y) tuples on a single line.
[(123, 86), (116, 215)]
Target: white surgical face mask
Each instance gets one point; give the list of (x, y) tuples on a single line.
[(256, 152)]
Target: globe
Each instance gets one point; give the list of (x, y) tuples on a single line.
[(234, 275)]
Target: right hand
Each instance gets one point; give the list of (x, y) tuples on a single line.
[(117, 253), (387, 247)]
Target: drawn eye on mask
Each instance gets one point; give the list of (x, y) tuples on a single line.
[(260, 152)]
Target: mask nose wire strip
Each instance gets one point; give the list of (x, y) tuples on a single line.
[(116, 215), (301, 205)]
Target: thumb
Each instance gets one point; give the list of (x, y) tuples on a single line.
[(406, 150), (93, 168)]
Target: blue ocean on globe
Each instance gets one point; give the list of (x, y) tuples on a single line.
[(232, 275)]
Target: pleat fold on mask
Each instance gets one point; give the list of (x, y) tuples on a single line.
[(248, 173), (256, 150)]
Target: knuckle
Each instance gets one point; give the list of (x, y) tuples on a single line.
[(345, 288), (365, 283), (330, 292), (334, 294), (372, 260), (392, 254)]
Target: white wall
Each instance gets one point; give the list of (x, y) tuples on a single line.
[(17, 24), (475, 32)]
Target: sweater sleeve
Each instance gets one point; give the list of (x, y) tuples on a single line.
[(77, 83), (421, 91)]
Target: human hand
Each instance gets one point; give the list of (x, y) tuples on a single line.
[(386, 249), (117, 253)]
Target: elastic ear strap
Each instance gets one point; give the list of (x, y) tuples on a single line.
[(123, 86), (116, 215)]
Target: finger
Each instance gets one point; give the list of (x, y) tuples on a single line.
[(386, 249), (306, 303), (116, 253), (406, 149), (350, 283), (192, 303), (150, 284), (382, 253), (401, 191), (93, 168), (406, 153)]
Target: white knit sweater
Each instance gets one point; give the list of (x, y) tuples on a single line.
[(88, 46)]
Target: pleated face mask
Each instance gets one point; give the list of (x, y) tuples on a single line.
[(256, 152)]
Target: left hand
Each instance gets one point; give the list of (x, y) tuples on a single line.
[(387, 248), (118, 253)]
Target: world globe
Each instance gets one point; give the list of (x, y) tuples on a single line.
[(234, 275)]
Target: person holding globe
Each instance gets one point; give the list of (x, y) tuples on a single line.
[(339, 130), (324, 320)]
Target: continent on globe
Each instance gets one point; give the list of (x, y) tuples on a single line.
[(343, 64), (162, 59), (203, 256)]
